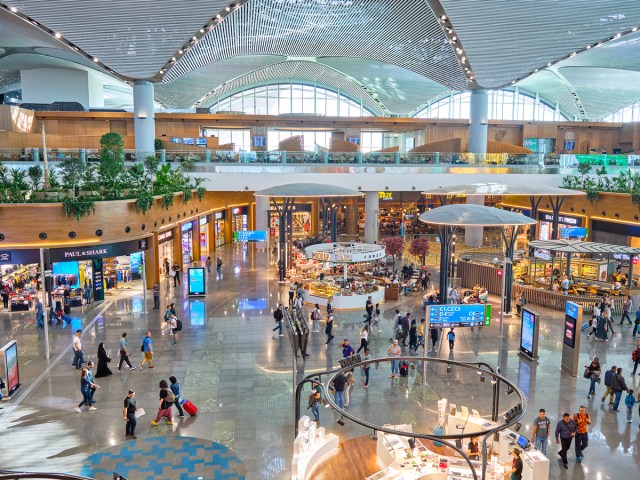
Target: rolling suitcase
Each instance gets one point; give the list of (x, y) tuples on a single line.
[(190, 408), (404, 369)]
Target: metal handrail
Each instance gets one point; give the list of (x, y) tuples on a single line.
[(11, 475)]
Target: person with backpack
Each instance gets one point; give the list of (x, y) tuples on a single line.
[(316, 316), (618, 385), (175, 389), (592, 373), (451, 336), (315, 400), (176, 327), (630, 402), (167, 399), (607, 383), (147, 349), (278, 315)]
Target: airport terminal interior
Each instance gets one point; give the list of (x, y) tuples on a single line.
[(319, 239)]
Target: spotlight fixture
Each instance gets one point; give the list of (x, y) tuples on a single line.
[(96, 59), (604, 214), (58, 35), (617, 215), (72, 234), (13, 9), (635, 217), (583, 210), (99, 233), (1, 237), (127, 229), (43, 236)]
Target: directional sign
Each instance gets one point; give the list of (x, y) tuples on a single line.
[(445, 316)]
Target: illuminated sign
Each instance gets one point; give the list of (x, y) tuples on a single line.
[(385, 195), (203, 220), (574, 232), (570, 324), (445, 316), (218, 215), (548, 217), (186, 227), (165, 236), (252, 236)]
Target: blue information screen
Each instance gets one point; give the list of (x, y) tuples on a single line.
[(252, 235), (196, 281), (527, 331), (459, 315), (197, 313), (574, 232)]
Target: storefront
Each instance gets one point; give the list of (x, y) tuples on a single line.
[(186, 232), (301, 221), (19, 275), (218, 228), (204, 236), (568, 226), (165, 250), (113, 266), (239, 220)]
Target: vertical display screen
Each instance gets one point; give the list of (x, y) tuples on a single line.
[(527, 331), (570, 323), (197, 281), (13, 372)]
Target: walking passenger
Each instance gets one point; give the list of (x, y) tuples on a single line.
[(582, 421), (630, 401), (278, 315), (366, 368), (124, 353), (594, 371), (85, 390), (394, 351), (165, 406), (607, 383), (541, 431), (129, 414), (147, 349), (364, 339), (175, 389), (565, 431)]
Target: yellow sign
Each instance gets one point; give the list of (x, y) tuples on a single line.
[(385, 195)]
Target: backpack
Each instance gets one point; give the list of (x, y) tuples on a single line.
[(143, 343), (178, 325), (629, 401), (170, 396)]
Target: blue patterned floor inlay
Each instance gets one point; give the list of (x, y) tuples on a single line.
[(174, 458)]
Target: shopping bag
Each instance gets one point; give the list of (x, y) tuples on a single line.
[(140, 412)]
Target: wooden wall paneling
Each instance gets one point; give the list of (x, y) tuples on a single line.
[(292, 144), (342, 146), (451, 145), (497, 147), (509, 134)]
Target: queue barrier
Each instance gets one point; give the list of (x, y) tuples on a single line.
[(557, 300)]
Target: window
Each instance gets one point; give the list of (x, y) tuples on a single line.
[(240, 138), (291, 98), (503, 105), (630, 113)]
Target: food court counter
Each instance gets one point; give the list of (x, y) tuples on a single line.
[(343, 299)]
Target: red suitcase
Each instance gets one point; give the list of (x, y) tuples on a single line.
[(190, 407)]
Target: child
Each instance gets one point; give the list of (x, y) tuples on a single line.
[(451, 336), (175, 388), (630, 402)]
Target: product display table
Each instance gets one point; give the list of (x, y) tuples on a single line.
[(346, 302), (310, 448)]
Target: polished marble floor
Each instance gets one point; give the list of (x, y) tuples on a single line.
[(240, 376)]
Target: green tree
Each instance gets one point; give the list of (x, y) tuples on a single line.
[(35, 174), (112, 161), (73, 170)]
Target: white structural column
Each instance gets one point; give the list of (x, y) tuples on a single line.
[(473, 236), (262, 213), (371, 210), (48, 85), (144, 123), (479, 121)]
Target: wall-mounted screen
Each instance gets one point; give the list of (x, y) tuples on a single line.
[(189, 141), (201, 141), (176, 140), (259, 141)]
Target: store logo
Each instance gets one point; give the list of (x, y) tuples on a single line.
[(142, 244), (186, 227), (86, 253), (165, 236), (5, 256), (218, 215)]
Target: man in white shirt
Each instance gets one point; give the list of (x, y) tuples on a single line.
[(78, 355)]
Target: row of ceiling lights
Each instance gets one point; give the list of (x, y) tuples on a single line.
[(456, 45), (199, 34), (58, 36), (573, 54)]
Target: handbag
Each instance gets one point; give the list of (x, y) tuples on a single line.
[(587, 373)]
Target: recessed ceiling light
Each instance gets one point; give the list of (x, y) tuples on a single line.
[(14, 9), (463, 59), (443, 17), (513, 81), (96, 59), (573, 54), (588, 47), (194, 38), (180, 52), (459, 50), (454, 38), (218, 16), (536, 70), (549, 64), (202, 30), (634, 29), (58, 35), (227, 9), (173, 59), (617, 35)]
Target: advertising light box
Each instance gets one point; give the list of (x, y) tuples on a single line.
[(11, 370), (570, 324), (529, 325), (445, 316), (197, 281), (252, 235)]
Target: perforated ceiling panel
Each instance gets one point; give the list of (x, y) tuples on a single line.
[(603, 90), (133, 37), (507, 39), (296, 72), (188, 89), (551, 90), (400, 32), (400, 90)]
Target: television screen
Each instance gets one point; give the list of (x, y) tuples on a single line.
[(258, 141), (176, 140), (201, 141), (355, 140), (197, 280), (189, 141)]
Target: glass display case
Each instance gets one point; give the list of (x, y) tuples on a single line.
[(323, 289)]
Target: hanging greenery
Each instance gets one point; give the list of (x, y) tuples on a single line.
[(167, 200), (144, 202), (186, 195), (200, 192), (78, 206)]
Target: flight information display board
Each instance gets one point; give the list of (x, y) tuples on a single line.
[(445, 316)]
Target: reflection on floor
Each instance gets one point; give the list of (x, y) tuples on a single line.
[(239, 375)]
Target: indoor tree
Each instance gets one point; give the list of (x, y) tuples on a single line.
[(111, 166), (420, 248), (394, 247)]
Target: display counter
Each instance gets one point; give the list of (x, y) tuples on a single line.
[(311, 447), (343, 298)]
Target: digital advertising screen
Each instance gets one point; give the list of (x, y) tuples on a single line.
[(197, 313), (11, 365), (176, 140), (527, 332), (252, 236), (445, 316), (570, 324), (189, 141), (259, 141), (197, 280), (574, 232), (201, 141), (252, 304)]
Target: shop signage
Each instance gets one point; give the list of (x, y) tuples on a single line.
[(143, 244), (548, 217), (252, 235), (98, 279), (186, 227), (239, 210), (98, 251), (203, 220), (165, 236), (5, 257), (385, 195), (218, 215), (575, 232), (19, 256), (445, 316)]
